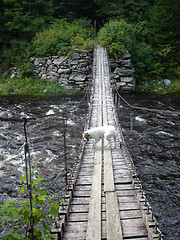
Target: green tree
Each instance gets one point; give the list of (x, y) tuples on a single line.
[(2, 28), (23, 17), (164, 33), (129, 10), (73, 9)]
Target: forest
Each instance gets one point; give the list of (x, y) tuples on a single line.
[(148, 29)]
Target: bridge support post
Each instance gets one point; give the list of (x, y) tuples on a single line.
[(131, 121)]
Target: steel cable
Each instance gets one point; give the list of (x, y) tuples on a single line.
[(146, 109)]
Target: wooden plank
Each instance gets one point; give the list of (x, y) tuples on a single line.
[(125, 193), (122, 179), (134, 228), (113, 223), (94, 216), (83, 188), (121, 172), (129, 206), (80, 200), (108, 171), (127, 199), (79, 208), (80, 193), (76, 230), (128, 214), (80, 217), (124, 186)]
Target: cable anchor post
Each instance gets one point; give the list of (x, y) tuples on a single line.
[(131, 121), (28, 178)]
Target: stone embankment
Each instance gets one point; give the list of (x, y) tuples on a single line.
[(77, 72), (122, 73)]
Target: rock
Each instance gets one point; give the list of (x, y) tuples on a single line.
[(167, 82), (32, 59), (116, 76), (78, 70), (43, 76), (76, 56), (124, 72), (132, 86), (120, 84), (114, 64), (126, 63), (78, 78), (64, 71), (49, 61), (59, 60), (53, 75), (83, 64), (74, 62), (36, 63), (12, 75), (126, 55), (127, 79), (126, 88)]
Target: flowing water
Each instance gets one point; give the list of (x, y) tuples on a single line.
[(45, 136), (154, 145)]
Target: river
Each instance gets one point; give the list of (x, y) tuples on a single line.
[(45, 137), (153, 145)]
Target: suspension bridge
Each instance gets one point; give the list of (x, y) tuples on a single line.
[(104, 198)]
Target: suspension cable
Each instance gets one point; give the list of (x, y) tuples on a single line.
[(146, 109)]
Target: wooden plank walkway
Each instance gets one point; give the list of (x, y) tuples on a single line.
[(106, 200)]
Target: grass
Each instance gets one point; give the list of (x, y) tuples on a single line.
[(32, 86), (36, 87), (159, 87)]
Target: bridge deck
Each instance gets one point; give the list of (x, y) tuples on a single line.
[(107, 201)]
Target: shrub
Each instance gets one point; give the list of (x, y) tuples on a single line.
[(120, 36), (15, 216), (61, 37)]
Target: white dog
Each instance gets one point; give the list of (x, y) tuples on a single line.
[(98, 133)]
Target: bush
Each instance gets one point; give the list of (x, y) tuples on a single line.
[(120, 36), (15, 55), (15, 216), (61, 37)]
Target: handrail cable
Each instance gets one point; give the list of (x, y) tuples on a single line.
[(144, 108)]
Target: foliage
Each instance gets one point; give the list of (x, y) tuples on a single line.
[(149, 30), (33, 86), (131, 10), (23, 18), (119, 36), (164, 35), (15, 215), (61, 37), (15, 55), (159, 87)]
